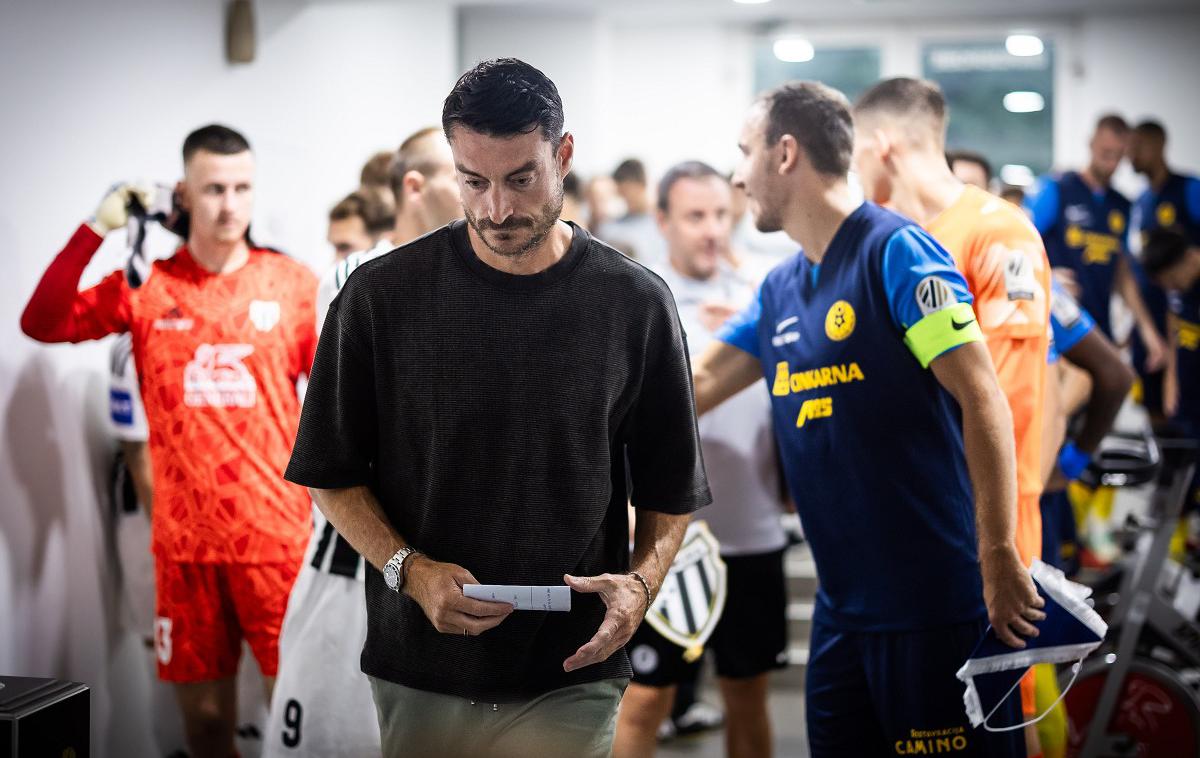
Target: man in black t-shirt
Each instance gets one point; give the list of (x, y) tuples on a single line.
[(484, 401)]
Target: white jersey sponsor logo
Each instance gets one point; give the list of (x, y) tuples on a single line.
[(217, 377)]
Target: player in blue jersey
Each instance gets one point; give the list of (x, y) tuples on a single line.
[(1173, 262), (891, 423), (1172, 201), (1084, 223)]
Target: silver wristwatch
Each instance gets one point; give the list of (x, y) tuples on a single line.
[(393, 570)]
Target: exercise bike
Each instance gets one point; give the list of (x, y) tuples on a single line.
[(1139, 693)]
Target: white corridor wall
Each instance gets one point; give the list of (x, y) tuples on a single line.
[(93, 93), (667, 89)]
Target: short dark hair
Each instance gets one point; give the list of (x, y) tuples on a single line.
[(905, 96), (412, 155), (504, 97), (376, 172), (1152, 128), (685, 170), (214, 138), (1163, 249), (369, 204), (630, 170), (1113, 123), (818, 117), (970, 156)]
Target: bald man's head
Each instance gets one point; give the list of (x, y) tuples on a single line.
[(423, 179), (425, 151)]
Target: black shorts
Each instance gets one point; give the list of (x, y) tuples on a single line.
[(750, 638)]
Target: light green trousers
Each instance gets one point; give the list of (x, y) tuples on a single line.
[(575, 722)]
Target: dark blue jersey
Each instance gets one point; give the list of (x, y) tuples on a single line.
[(1174, 206), (1186, 307), (1084, 231), (871, 443)]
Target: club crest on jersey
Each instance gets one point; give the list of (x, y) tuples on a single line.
[(264, 314), (839, 321), (1116, 222), (1165, 213), (692, 597), (934, 293)]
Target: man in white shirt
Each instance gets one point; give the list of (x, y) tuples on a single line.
[(740, 458)]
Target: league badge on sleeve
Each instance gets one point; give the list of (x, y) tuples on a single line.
[(1020, 279), (933, 294)]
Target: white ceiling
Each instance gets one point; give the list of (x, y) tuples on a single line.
[(840, 10)]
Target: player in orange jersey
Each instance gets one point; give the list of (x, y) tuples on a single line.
[(900, 135), (221, 333)]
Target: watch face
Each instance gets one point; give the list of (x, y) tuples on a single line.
[(391, 576)]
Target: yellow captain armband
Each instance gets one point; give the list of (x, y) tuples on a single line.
[(941, 331)]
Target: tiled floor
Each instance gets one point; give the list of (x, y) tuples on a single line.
[(787, 718)]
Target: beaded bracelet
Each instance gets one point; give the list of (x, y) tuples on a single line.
[(645, 586)]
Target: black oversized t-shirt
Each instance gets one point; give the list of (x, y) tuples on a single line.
[(502, 421)]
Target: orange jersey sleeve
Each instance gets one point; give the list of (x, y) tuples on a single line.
[(1004, 261)]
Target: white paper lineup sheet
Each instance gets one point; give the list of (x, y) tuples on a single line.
[(523, 597)]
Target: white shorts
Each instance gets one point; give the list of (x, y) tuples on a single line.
[(137, 572), (322, 702)]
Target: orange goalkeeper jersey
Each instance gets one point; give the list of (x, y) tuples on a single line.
[(1004, 261), (218, 357)]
